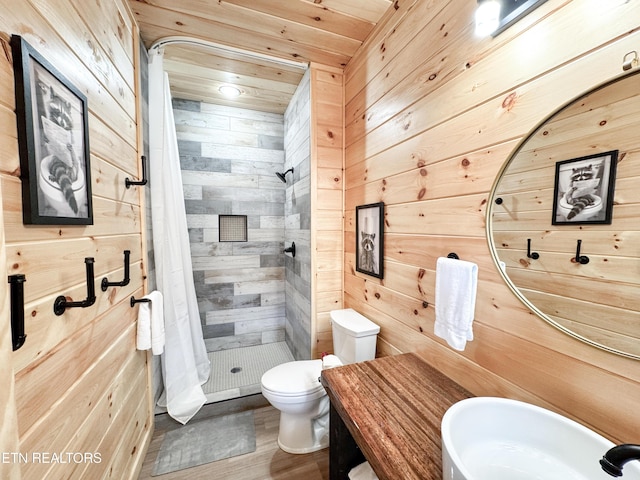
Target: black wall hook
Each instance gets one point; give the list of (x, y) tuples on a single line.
[(18, 336), (128, 182), (291, 249), (105, 281), (61, 303), (581, 259), (531, 254)]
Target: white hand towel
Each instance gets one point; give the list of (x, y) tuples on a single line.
[(456, 286), (330, 361), (362, 472), (150, 334)]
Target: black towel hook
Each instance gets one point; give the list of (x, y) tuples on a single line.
[(128, 182), (18, 336), (61, 303), (581, 259), (105, 281), (531, 254)]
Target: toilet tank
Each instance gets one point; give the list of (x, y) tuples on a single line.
[(354, 336)]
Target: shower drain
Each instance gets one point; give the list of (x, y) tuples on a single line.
[(236, 369)]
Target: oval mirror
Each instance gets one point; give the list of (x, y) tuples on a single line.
[(564, 218)]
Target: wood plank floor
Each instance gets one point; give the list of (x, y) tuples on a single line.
[(267, 462)]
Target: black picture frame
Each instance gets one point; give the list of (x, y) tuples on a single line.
[(370, 239), (53, 139), (583, 190)]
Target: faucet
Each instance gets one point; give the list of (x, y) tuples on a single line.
[(616, 457)]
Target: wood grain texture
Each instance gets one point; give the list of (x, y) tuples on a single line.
[(432, 114), (393, 407), (80, 383), (9, 436), (327, 32), (327, 186)]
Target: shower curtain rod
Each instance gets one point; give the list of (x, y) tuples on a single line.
[(159, 44)]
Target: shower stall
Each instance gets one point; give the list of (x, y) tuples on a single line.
[(246, 181)]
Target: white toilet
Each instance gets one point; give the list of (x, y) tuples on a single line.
[(294, 388)]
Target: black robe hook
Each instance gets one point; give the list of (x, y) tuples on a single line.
[(128, 182), (531, 254), (105, 281), (581, 259), (18, 336), (61, 303)]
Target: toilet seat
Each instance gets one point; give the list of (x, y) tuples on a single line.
[(295, 379)]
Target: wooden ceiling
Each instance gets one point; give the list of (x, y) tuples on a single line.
[(252, 32)]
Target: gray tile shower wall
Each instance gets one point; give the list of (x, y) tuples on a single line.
[(228, 158), (297, 140)]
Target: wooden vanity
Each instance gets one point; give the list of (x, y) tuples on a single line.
[(388, 411)]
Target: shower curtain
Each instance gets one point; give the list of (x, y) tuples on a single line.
[(185, 364)]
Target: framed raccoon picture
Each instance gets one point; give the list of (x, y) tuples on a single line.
[(583, 192), (369, 239), (53, 139)]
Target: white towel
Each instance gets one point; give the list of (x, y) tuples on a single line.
[(330, 361), (362, 472), (151, 324), (456, 286)]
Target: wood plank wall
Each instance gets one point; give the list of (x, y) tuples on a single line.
[(80, 384), (9, 439), (327, 138), (432, 113)]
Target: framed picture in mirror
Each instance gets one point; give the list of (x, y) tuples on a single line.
[(583, 191)]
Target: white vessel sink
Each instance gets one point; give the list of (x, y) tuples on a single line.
[(485, 438)]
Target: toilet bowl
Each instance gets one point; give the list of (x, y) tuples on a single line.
[(294, 388)]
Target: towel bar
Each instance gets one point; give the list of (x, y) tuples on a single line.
[(133, 301)]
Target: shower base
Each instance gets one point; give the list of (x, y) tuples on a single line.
[(237, 372)]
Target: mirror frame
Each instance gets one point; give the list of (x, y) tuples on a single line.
[(491, 203)]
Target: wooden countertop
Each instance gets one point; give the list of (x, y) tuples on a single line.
[(393, 407)]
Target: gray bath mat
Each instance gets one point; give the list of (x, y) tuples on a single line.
[(206, 441)]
